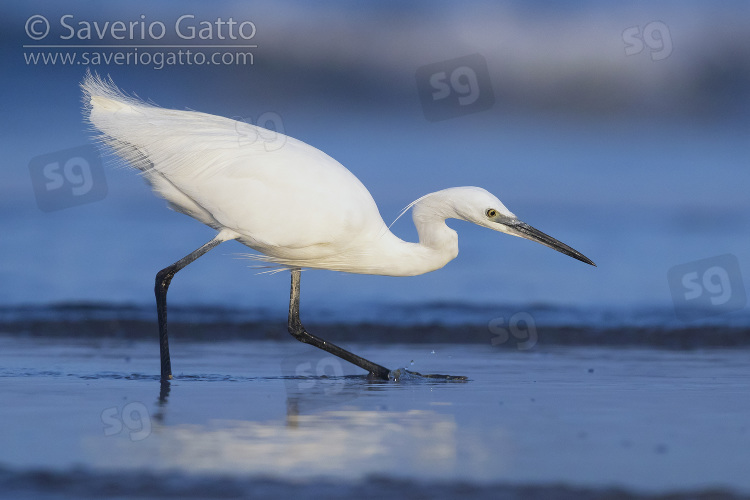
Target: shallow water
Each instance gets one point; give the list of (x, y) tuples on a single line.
[(641, 419)]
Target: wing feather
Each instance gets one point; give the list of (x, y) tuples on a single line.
[(283, 197)]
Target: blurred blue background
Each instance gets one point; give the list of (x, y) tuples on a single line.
[(620, 129)]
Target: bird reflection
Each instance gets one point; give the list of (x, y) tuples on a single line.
[(164, 389)]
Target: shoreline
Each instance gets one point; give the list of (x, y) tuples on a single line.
[(653, 336)]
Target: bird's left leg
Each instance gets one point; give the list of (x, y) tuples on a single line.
[(298, 332)]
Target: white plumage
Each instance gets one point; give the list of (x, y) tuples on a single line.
[(286, 199)]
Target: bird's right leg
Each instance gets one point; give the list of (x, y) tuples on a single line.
[(298, 332), (163, 279)]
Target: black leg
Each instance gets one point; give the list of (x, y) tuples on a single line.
[(298, 332), (163, 279)]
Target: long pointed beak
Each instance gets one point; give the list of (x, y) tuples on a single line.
[(518, 228)]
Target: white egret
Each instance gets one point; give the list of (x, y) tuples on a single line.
[(294, 204)]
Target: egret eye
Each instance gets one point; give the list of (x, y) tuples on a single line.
[(491, 213)]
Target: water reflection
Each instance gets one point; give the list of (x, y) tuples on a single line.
[(165, 387), (315, 379), (319, 417), (323, 433)]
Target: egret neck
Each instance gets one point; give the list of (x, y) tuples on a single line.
[(438, 244)]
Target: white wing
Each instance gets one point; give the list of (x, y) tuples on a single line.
[(281, 196)]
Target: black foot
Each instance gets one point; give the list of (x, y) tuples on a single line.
[(403, 373)]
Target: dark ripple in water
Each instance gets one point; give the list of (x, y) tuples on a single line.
[(76, 483)]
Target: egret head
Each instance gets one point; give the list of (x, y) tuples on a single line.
[(474, 204)]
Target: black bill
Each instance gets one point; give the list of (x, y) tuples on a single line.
[(525, 231)]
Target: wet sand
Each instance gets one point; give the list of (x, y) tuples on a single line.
[(89, 417)]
